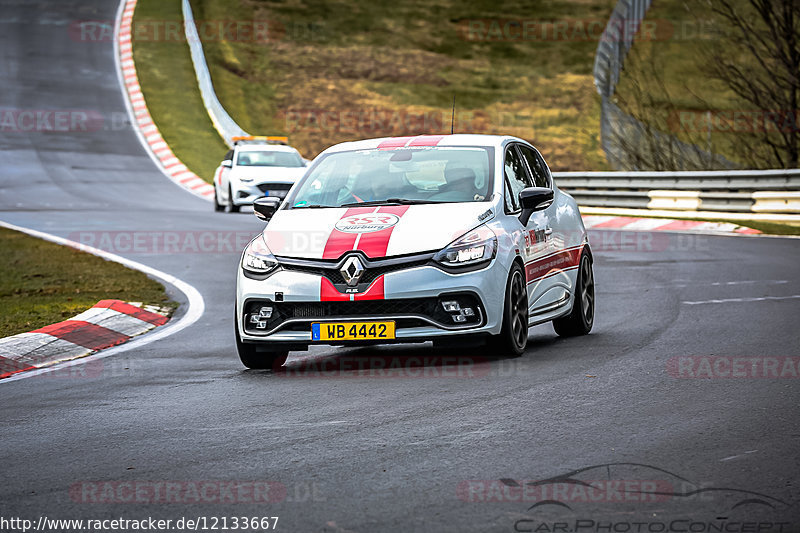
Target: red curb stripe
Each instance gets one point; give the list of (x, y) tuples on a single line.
[(9, 367), (84, 334), (132, 310), (616, 222), (747, 231), (678, 225)]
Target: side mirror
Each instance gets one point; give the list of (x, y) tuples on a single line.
[(227, 163), (264, 208), (534, 199)]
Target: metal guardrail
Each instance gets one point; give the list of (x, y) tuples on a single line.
[(222, 121), (758, 191)]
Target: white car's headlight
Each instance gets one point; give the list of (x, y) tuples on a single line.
[(477, 246), (257, 257), (245, 179)]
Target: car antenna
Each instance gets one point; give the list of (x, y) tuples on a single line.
[(453, 116)]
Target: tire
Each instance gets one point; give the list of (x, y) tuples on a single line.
[(256, 360), (217, 206), (513, 337), (232, 207), (581, 318)]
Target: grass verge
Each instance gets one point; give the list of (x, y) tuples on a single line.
[(336, 71), (42, 283), (166, 75)]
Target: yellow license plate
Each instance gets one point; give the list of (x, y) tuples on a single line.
[(352, 331)]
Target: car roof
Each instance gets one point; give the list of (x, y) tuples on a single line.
[(389, 143)]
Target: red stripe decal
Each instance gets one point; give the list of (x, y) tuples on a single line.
[(374, 292), (328, 293), (552, 264), (84, 334), (340, 242), (426, 140), (374, 244), (395, 142), (132, 310)]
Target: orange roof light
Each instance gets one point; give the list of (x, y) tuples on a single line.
[(268, 139)]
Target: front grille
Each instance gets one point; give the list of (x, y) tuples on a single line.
[(304, 312), (281, 188), (327, 310), (370, 273)]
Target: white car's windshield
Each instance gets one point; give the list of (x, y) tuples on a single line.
[(426, 175), (252, 158)]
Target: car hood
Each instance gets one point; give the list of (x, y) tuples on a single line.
[(269, 174), (377, 231)]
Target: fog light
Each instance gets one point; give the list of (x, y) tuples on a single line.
[(265, 312), (459, 318), (467, 311), (451, 306)]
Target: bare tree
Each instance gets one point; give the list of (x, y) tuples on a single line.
[(760, 63), (641, 125)]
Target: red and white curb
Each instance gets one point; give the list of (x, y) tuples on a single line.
[(663, 224), (142, 122), (193, 309), (108, 323)]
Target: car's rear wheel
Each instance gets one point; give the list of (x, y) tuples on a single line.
[(217, 206), (581, 318), (513, 337), (232, 207), (253, 359)]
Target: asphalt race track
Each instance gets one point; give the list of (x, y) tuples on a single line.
[(378, 450)]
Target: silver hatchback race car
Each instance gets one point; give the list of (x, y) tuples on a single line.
[(411, 239)]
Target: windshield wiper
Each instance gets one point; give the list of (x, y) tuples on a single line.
[(390, 201), (312, 206)]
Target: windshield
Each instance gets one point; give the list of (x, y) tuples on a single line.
[(426, 175), (269, 159)]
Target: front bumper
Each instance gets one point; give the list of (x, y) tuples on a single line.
[(410, 297), (245, 193)]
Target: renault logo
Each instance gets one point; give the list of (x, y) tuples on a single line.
[(352, 270)]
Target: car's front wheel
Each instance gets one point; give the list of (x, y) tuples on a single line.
[(513, 337), (581, 318), (217, 206), (253, 359)]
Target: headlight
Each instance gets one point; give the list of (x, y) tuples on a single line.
[(245, 179), (477, 246), (257, 258)]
